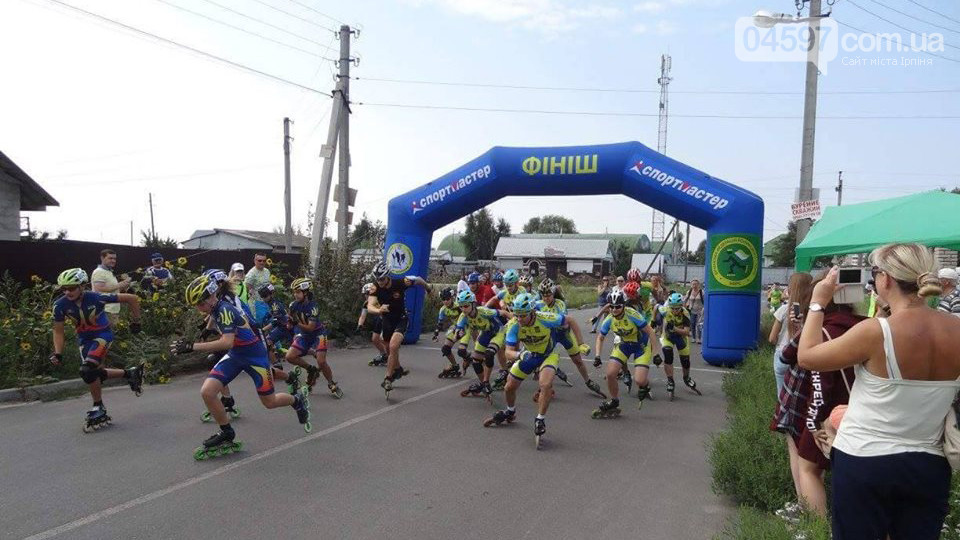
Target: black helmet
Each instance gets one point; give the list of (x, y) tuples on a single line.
[(380, 271), (618, 298), (266, 290), (446, 293)]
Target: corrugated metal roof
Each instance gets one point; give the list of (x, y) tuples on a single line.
[(552, 248), (32, 196)]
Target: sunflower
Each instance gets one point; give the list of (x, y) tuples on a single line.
[(275, 280), (156, 296), (35, 278), (47, 315), (168, 264), (269, 261), (182, 261), (25, 347)]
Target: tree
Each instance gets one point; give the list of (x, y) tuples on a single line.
[(699, 256), (154, 241), (550, 224), (622, 257), (368, 234), (481, 234)]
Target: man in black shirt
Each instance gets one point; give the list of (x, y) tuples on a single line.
[(387, 298)]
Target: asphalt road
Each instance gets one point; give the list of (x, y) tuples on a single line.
[(417, 466)]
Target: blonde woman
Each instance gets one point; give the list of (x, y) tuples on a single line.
[(890, 476)]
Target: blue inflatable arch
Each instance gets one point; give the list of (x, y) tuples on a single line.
[(732, 217)]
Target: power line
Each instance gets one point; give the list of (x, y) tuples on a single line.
[(934, 11), (172, 176), (900, 26), (637, 114), (189, 48), (294, 15), (265, 23), (645, 91), (924, 21), (852, 27), (318, 12), (245, 31)]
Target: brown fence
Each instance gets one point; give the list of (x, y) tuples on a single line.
[(47, 259)]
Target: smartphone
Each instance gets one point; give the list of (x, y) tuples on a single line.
[(849, 276), (796, 310)]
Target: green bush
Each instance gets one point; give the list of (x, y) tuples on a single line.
[(749, 461), (752, 524)]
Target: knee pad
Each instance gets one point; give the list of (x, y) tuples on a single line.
[(446, 350), (488, 358), (685, 361), (668, 356), (462, 353), (90, 373)]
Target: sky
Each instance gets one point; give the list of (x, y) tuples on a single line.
[(102, 116)]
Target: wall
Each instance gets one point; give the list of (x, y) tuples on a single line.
[(9, 209), (48, 259)]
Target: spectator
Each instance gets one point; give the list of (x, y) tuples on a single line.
[(890, 476), (794, 392), (694, 303), (103, 281), (462, 285), (950, 301), (827, 389), (481, 289), (658, 291), (603, 293), (257, 277), (786, 323), (157, 275), (237, 276), (619, 283)]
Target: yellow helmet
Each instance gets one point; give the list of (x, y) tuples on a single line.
[(72, 277), (199, 290), (301, 284)]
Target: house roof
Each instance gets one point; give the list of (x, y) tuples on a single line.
[(454, 244), (32, 196), (273, 239), (552, 248)]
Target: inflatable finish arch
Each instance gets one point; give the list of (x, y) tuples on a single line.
[(732, 217)]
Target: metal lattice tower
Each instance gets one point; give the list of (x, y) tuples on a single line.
[(659, 220)]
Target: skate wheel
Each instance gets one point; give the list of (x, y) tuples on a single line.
[(338, 394), (87, 428), (200, 454), (307, 427), (206, 417), (539, 441), (596, 415), (235, 413), (488, 423)]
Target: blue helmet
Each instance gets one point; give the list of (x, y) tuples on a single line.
[(498, 277), (675, 300), (466, 297), (523, 304), (511, 276), (473, 278)]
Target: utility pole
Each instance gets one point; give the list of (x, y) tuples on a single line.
[(342, 193), (659, 221), (287, 227), (328, 151), (131, 233), (839, 188), (153, 230), (809, 118)]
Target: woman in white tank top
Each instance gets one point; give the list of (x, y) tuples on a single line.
[(890, 476)]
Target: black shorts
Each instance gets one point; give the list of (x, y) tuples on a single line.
[(376, 323), (393, 326)]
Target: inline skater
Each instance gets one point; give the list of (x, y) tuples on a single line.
[(551, 301), (376, 326), (535, 330), (638, 340), (245, 352), (447, 322), (276, 335), (497, 284), (676, 335), (388, 299), (94, 336), (310, 336), (488, 326), (503, 301)]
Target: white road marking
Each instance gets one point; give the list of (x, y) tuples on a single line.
[(15, 405), (97, 516)]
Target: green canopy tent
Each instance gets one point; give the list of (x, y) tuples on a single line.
[(931, 218)]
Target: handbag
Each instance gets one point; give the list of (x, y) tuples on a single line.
[(951, 434)]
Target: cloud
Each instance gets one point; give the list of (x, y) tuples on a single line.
[(650, 6), (665, 28), (543, 16), (639, 28)]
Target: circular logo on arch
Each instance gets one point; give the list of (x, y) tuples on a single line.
[(735, 262), (399, 258)]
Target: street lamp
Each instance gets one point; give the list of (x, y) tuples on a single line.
[(767, 19)]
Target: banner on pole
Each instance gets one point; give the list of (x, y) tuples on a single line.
[(806, 210)]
